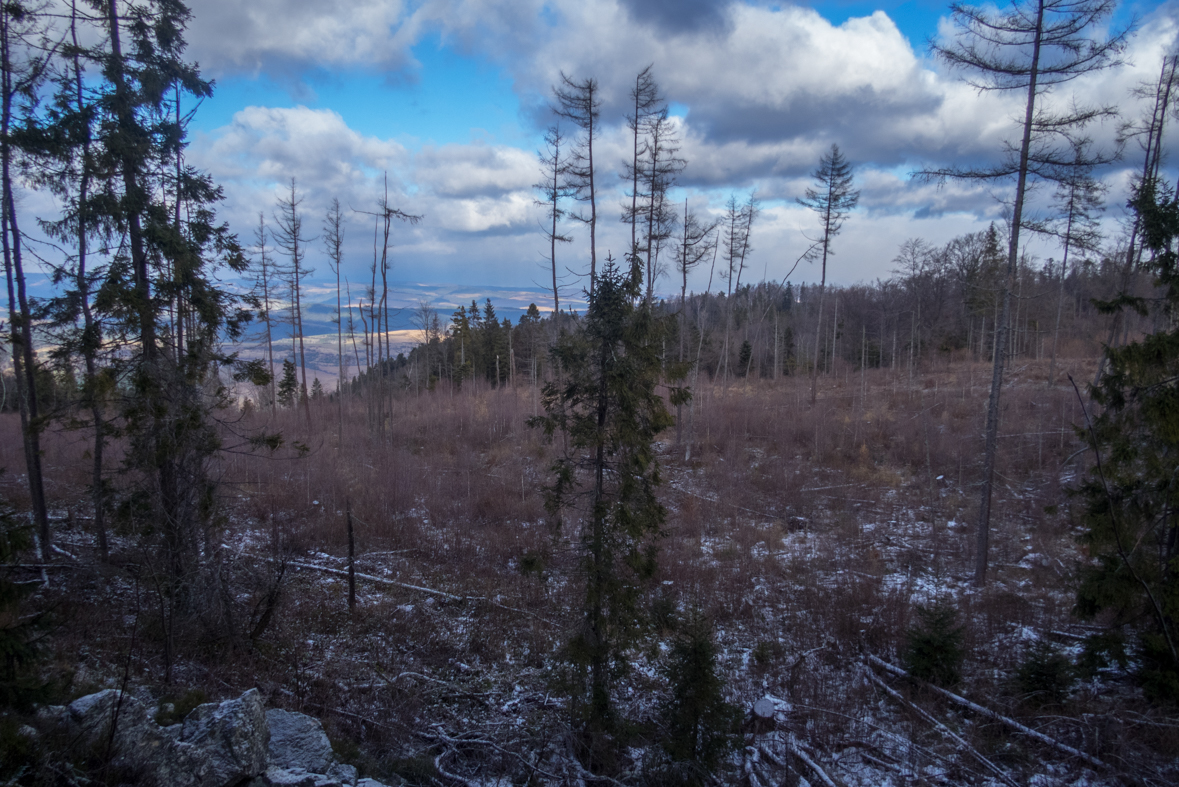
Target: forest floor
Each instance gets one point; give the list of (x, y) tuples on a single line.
[(811, 537)]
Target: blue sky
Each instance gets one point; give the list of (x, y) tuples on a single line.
[(447, 97)]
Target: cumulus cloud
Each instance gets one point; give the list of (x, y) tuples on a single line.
[(677, 16), (284, 37), (783, 79), (467, 194), (271, 143), (764, 91), (474, 170)]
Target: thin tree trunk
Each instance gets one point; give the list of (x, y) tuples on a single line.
[(20, 317), (1149, 169), (266, 306), (991, 445), (553, 234), (302, 353), (1059, 306), (818, 336), (593, 205), (351, 559), (91, 339), (351, 325)]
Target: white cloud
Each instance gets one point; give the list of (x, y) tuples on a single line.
[(283, 37), (766, 93), (473, 170), (466, 193), (316, 145)]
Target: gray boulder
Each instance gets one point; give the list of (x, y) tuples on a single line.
[(298, 741), (230, 739), (138, 746), (344, 773), (295, 777), (219, 744)]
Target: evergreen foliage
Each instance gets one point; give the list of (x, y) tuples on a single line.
[(142, 306), (933, 648), (608, 405), (702, 728), (288, 386), (1131, 496), (19, 683), (1045, 676), (744, 357)]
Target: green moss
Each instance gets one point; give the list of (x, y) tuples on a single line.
[(173, 709)]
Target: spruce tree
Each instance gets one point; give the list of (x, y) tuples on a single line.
[(701, 727), (1131, 495), (608, 405), (161, 296), (288, 386)]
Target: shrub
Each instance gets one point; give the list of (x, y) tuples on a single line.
[(20, 683), (933, 648), (701, 726), (1045, 676)]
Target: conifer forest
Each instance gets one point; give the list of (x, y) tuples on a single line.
[(676, 521)]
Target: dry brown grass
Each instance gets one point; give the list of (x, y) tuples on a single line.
[(809, 534)]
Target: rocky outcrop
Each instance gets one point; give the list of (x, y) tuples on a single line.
[(298, 741), (228, 741), (219, 744)]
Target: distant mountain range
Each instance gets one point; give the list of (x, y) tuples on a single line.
[(319, 329), (319, 305)]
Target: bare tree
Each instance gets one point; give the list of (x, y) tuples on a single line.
[(739, 223), (265, 280), (695, 244), (1029, 48), (384, 217), (352, 325), (333, 238), (22, 66), (426, 318), (553, 189), (648, 103), (1149, 133), (832, 198), (1078, 197), (661, 167), (579, 102), (290, 239)]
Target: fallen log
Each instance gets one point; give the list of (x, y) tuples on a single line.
[(990, 766), (990, 714)]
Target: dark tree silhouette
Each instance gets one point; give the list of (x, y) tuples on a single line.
[(832, 198), (608, 405), (553, 189), (580, 103)]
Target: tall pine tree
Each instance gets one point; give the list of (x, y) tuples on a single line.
[(1131, 495), (608, 405)]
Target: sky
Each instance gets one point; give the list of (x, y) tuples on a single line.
[(444, 103)]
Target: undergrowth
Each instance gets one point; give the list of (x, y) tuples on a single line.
[(811, 537)]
